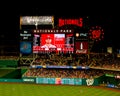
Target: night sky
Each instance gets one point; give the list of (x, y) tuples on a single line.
[(10, 23)]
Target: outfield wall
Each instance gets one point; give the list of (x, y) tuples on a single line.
[(59, 81), (15, 75)]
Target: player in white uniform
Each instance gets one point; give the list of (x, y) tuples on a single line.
[(48, 44)]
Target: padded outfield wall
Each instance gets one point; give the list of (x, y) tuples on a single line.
[(15, 75)]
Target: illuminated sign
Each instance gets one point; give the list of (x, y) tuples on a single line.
[(81, 36), (25, 35), (36, 20), (77, 22), (25, 47), (53, 31), (81, 47), (96, 33)]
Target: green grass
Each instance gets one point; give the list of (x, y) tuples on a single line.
[(12, 89)]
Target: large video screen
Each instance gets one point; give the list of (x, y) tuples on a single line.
[(53, 42)]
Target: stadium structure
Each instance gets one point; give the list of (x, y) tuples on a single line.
[(72, 62)]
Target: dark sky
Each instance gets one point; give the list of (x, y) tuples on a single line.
[(104, 18)]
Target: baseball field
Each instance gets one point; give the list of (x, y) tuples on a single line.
[(20, 89)]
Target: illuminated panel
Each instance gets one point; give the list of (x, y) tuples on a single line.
[(77, 22), (53, 31), (96, 33), (45, 41), (81, 36), (26, 39), (37, 20), (25, 47), (25, 35), (81, 47)]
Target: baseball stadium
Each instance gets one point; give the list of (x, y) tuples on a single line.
[(72, 68)]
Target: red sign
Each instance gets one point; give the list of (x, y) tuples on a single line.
[(96, 33), (81, 47), (77, 22)]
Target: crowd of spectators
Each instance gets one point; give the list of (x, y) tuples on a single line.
[(68, 73), (99, 65), (94, 61), (100, 61)]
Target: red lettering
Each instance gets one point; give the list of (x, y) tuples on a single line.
[(77, 22), (61, 22)]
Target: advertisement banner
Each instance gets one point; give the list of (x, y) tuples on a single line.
[(45, 80), (77, 81), (58, 81), (29, 79), (69, 81), (25, 47), (81, 47)]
